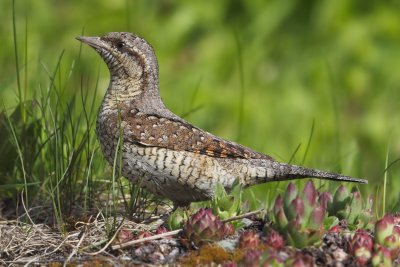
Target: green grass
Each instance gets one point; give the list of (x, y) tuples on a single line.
[(313, 83)]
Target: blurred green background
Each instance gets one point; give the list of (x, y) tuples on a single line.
[(258, 72)]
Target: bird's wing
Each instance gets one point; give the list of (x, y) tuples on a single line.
[(152, 130)]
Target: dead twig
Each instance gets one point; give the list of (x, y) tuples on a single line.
[(108, 243), (75, 250), (154, 237), (244, 215)]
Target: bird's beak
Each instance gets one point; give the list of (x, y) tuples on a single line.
[(94, 42)]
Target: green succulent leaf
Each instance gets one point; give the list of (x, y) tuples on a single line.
[(176, 219), (384, 228), (351, 207), (340, 199), (290, 194), (301, 238), (330, 221), (226, 206), (296, 208), (301, 217), (281, 219)]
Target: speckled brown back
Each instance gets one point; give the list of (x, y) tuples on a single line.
[(152, 130)]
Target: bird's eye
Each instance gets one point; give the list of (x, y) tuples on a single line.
[(120, 45)]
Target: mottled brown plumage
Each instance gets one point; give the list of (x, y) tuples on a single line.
[(181, 136), (175, 159)]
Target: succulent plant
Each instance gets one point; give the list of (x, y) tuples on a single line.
[(266, 258), (381, 257), (300, 260), (249, 240), (387, 234), (384, 228), (229, 229), (124, 235), (274, 239), (161, 230), (360, 245), (176, 219), (229, 205), (350, 206), (299, 216), (270, 258), (251, 258), (204, 227)]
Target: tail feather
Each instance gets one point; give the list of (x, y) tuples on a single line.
[(288, 172)]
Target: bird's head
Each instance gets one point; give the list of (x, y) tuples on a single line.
[(126, 55)]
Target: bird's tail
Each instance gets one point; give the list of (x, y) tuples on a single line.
[(289, 172)]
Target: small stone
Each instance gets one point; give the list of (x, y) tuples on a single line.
[(340, 255)]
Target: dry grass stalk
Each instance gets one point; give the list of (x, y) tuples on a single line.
[(22, 243)]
